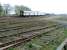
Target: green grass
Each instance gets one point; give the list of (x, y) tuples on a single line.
[(65, 32), (11, 49), (62, 18)]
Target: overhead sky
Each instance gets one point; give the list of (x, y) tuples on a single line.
[(48, 6)]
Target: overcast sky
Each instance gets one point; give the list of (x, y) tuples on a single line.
[(48, 6)]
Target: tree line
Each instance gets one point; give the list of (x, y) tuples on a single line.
[(7, 9)]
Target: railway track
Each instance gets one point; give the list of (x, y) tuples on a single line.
[(27, 36), (24, 31), (17, 26), (15, 19), (10, 24)]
